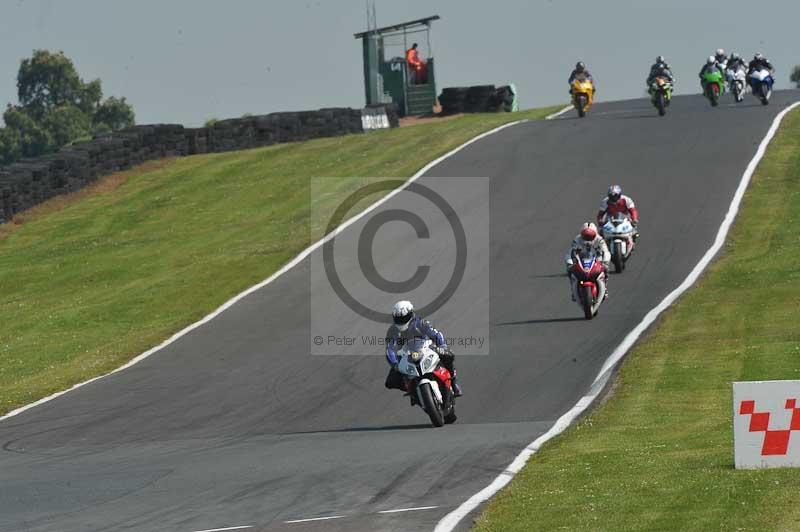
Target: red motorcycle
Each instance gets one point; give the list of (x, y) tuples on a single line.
[(589, 282)]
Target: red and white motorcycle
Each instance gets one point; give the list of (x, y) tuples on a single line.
[(589, 281), (427, 381)]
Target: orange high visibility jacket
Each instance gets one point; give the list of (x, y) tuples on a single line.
[(412, 58)]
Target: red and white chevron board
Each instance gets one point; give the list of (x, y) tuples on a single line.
[(766, 424)]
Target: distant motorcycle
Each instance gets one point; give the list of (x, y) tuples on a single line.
[(618, 233), (427, 381), (713, 86), (737, 80), (590, 282), (761, 82), (661, 94), (582, 95)]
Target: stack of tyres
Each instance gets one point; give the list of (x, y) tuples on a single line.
[(452, 100), (479, 99), (29, 182), (504, 99)]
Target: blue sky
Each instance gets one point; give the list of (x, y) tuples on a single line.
[(183, 61)]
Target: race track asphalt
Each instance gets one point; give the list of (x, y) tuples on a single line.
[(236, 424)]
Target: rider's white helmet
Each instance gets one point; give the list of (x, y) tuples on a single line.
[(711, 60), (720, 52), (614, 193), (402, 312)]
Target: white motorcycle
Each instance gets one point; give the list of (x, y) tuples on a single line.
[(737, 80), (761, 82), (618, 233), (428, 382)]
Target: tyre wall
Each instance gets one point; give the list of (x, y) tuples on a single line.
[(478, 99), (31, 181)]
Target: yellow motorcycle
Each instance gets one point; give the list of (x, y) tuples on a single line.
[(582, 95)]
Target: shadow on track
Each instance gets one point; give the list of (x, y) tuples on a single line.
[(631, 117), (362, 429), (534, 322), (549, 276)]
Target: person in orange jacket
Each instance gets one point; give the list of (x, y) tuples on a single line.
[(415, 65)]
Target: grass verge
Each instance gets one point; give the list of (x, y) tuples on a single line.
[(92, 280), (659, 454)]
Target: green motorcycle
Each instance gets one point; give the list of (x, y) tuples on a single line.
[(661, 94), (713, 86)]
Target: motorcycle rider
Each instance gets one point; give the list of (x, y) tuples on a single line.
[(721, 58), (618, 203), (581, 71), (588, 240), (759, 62), (660, 69), (735, 61), (734, 64), (661, 63), (710, 66), (407, 325)]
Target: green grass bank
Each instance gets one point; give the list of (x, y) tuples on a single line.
[(658, 455), (89, 282)]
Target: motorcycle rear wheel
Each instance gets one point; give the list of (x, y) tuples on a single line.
[(432, 408)]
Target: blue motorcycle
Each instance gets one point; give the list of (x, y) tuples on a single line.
[(761, 82)]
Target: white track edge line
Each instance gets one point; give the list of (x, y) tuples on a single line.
[(310, 519), (226, 528), (294, 262), (451, 520), (414, 509), (558, 113)]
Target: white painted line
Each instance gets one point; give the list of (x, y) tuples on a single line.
[(314, 519), (294, 262), (227, 528), (417, 509), (451, 520), (558, 113)]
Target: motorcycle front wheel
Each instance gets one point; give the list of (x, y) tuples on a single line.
[(660, 104), (619, 262), (580, 105), (587, 302), (432, 407)]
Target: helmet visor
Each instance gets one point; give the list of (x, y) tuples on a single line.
[(403, 320)]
